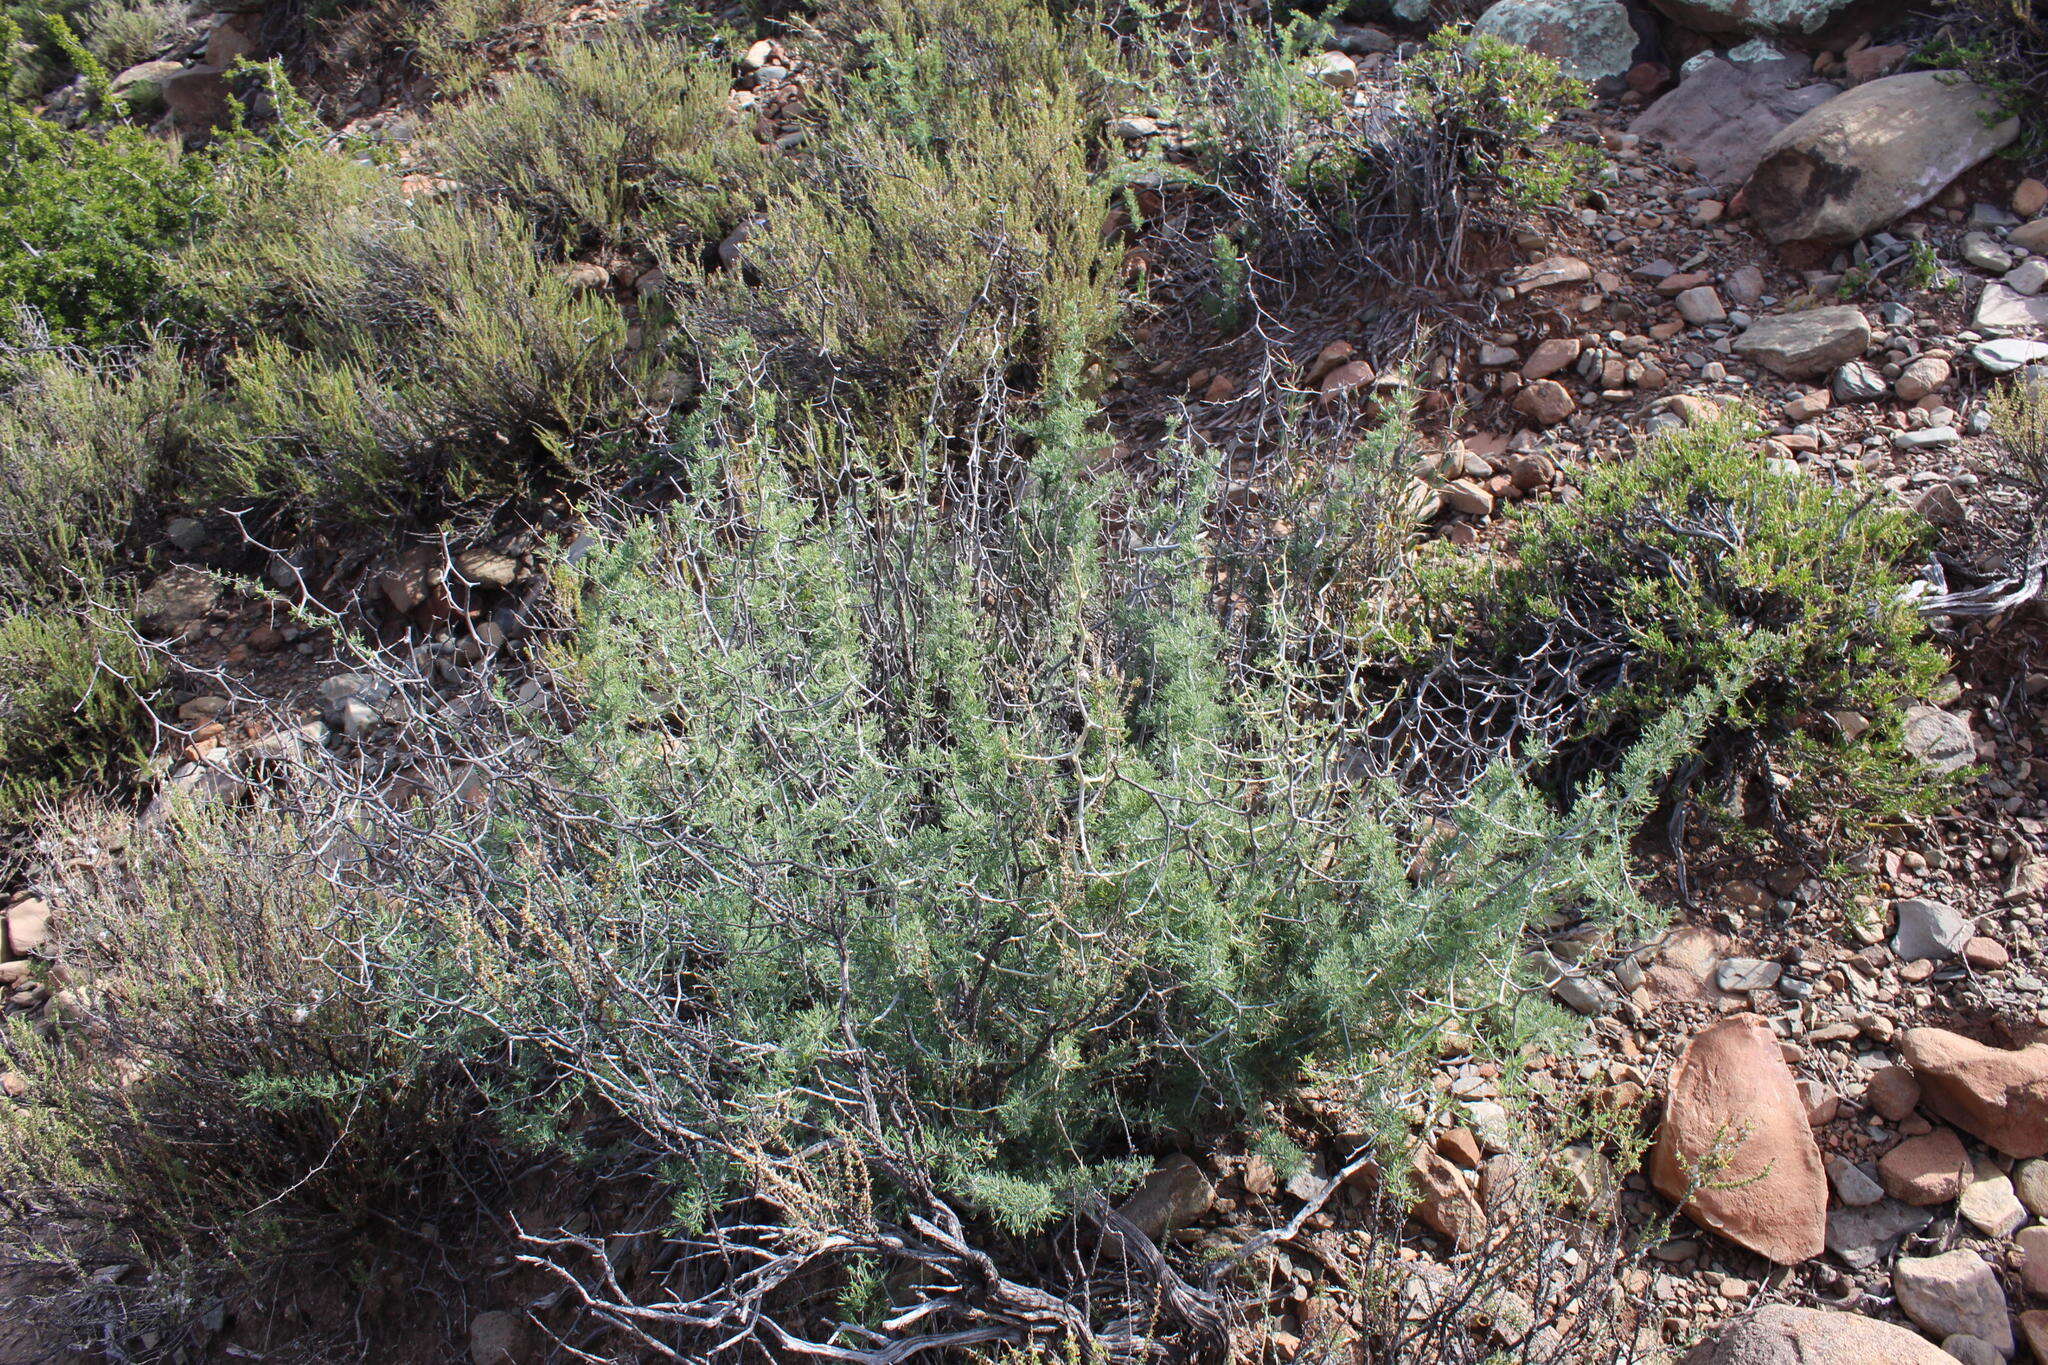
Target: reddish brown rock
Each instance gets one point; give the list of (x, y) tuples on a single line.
[(1927, 1170), (1782, 1335), (1448, 1204), (1352, 374), (1735, 1138), (1999, 1095), (1545, 402), (1892, 1092)]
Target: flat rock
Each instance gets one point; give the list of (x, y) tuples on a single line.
[(28, 926), (1954, 1292), (2003, 308), (1990, 1205), (1172, 1196), (1939, 739), (1930, 930), (1723, 113), (1996, 1094), (1781, 17), (2003, 357), (1862, 1236), (1926, 1170), (176, 602), (1806, 344), (1734, 1138), (1871, 155), (1591, 40), (1782, 1335)]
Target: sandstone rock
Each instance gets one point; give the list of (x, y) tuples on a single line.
[(1926, 1170), (1333, 69), (2033, 236), (2033, 1247), (1735, 1127), (1971, 1350), (2029, 278), (1989, 1203), (1783, 1335), (2034, 1327), (1893, 1093), (1551, 356), (197, 97), (28, 926), (1701, 305), (1930, 930), (1929, 374), (2029, 197), (1352, 374), (1449, 1205), (2030, 1183), (1805, 344), (1998, 1095), (1724, 113), (1548, 274), (1590, 39), (1953, 1292), (1175, 1194), (1545, 402), (1463, 495), (1871, 155)]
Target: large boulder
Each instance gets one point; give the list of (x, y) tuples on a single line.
[(1806, 344), (1735, 1145), (1999, 1095), (1871, 155), (1782, 1335), (1724, 112), (1782, 17), (1590, 39)]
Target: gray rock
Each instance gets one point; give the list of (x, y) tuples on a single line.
[(1972, 1350), (1747, 974), (1590, 39), (1861, 1237), (1857, 382), (494, 1338), (1930, 930), (1927, 438), (1872, 155), (2029, 277), (1805, 344), (1785, 17), (2030, 1183), (1854, 1186), (1954, 1292), (2003, 357), (1983, 253), (176, 603), (1940, 739), (1700, 306), (1723, 113), (187, 533), (2005, 309), (1175, 1194)]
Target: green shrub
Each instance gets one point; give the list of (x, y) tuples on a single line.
[(84, 221), (120, 33), (2003, 46), (83, 442), (1670, 568), (614, 142), (70, 709)]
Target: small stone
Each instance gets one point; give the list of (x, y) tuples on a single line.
[(1809, 405), (2029, 197), (1131, 127), (28, 926), (1805, 344), (1985, 254), (1986, 954), (2033, 1248), (1972, 1350), (1333, 69), (1463, 495), (2029, 277), (1929, 374), (1852, 1185), (1545, 402), (2030, 1183), (1551, 356), (494, 1338), (1939, 739), (1857, 382), (1548, 274), (1352, 374), (2003, 357), (1930, 930), (1990, 1204), (1701, 305), (1927, 1170), (1860, 1237), (1174, 1195), (1954, 1292), (1747, 974), (1893, 1093)]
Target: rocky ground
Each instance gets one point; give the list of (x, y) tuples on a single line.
[(1870, 1035)]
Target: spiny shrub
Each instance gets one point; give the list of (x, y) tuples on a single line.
[(2003, 46), (217, 1096), (614, 142), (1670, 567), (85, 220), (1494, 100)]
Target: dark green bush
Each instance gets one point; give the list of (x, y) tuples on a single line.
[(85, 220), (1674, 568)]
